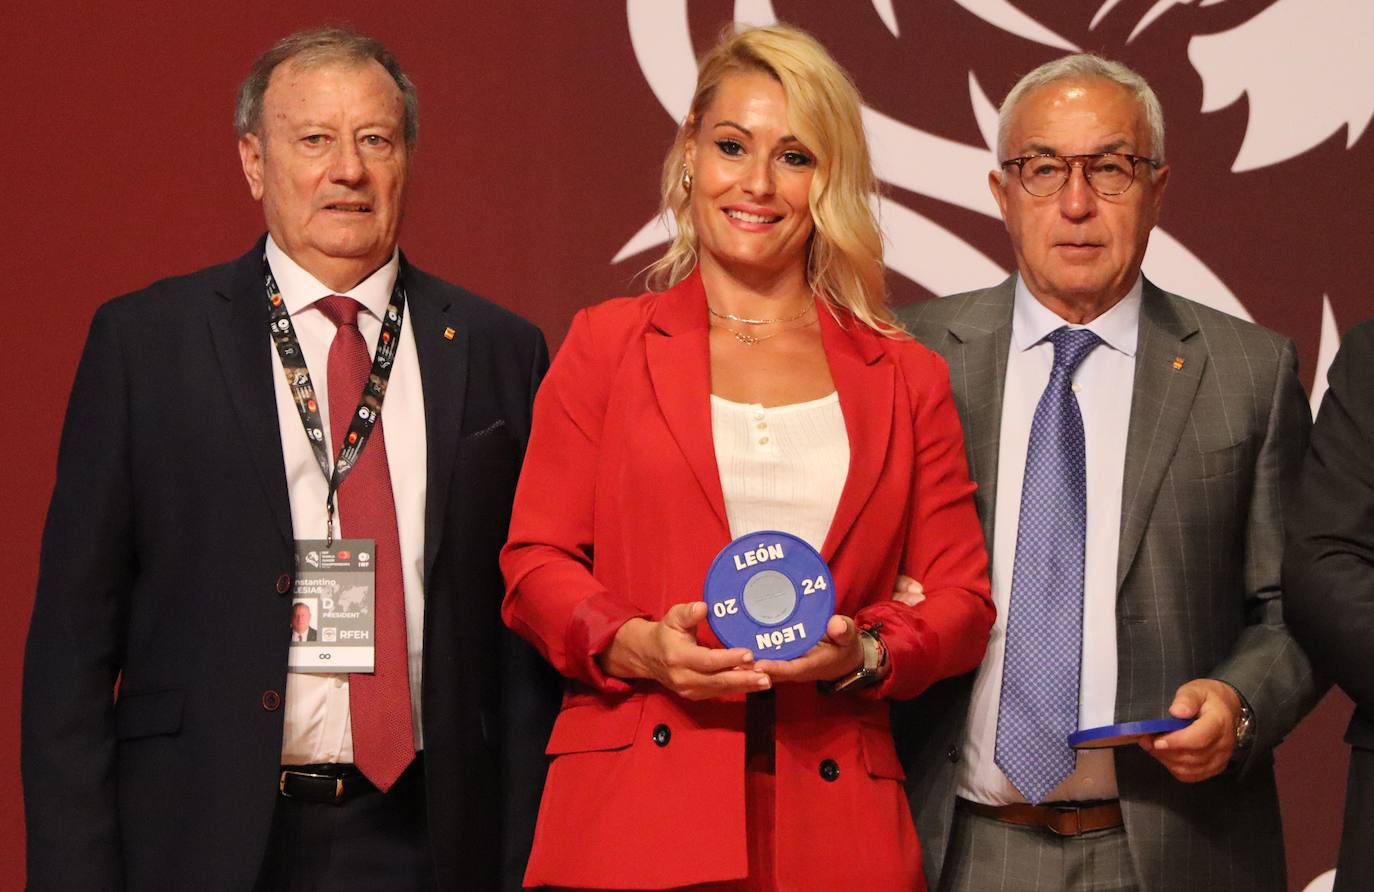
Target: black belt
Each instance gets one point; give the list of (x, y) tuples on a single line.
[(331, 783)]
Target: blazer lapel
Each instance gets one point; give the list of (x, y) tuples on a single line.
[(1168, 366), (243, 348), (864, 384), (977, 357), (677, 350), (443, 380)]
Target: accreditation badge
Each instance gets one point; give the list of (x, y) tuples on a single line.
[(333, 610)]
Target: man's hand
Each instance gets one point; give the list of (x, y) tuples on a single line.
[(908, 591), (1204, 748), (835, 656), (667, 652)]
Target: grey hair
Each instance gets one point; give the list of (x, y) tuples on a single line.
[(1084, 65), (321, 46)]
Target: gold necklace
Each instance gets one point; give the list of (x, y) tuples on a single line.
[(750, 340), (804, 310)]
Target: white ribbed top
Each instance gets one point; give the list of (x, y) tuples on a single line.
[(781, 468)]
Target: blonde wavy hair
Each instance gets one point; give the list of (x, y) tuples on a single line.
[(844, 263)]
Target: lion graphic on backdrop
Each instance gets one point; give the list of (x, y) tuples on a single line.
[(1260, 222)]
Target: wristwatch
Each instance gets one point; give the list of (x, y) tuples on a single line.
[(872, 670), (1245, 726)]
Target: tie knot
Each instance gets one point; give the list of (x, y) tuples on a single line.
[(1071, 347), (339, 309)]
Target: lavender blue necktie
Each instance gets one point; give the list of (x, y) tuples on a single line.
[(1039, 704)]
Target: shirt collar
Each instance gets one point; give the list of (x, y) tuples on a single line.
[(300, 290), (1119, 327)]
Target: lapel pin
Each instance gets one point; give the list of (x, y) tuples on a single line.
[(1178, 363), (449, 333)]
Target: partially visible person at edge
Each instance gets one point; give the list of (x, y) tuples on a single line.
[(167, 745), (1134, 452), (1328, 575), (765, 387)]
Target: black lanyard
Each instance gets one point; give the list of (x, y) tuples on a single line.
[(303, 390)]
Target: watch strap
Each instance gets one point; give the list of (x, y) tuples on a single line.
[(871, 671)]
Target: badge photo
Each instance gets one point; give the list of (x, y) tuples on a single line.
[(305, 614)]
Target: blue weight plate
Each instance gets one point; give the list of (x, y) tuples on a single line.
[(1124, 733), (770, 592)]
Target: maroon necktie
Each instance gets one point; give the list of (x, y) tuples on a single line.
[(383, 740)]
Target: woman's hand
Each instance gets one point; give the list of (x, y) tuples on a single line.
[(908, 591), (838, 654), (667, 652)]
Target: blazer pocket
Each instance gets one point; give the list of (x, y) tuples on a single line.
[(491, 444), (880, 753), (497, 425), (148, 715), (1208, 463), (586, 727)]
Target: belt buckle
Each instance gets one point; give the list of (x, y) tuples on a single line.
[(1072, 814), (338, 783)]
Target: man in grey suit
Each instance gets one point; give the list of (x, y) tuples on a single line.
[(1133, 452)]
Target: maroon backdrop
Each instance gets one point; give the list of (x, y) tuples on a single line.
[(541, 139)]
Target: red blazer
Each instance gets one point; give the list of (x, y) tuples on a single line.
[(619, 513)]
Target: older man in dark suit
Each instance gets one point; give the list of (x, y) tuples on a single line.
[(225, 430), (1133, 452)]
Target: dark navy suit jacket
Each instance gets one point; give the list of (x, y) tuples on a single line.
[(165, 576)]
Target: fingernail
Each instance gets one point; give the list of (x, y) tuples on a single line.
[(764, 681)]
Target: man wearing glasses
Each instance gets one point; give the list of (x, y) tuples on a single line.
[(1133, 451)]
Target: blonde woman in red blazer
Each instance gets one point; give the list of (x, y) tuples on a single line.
[(677, 762)]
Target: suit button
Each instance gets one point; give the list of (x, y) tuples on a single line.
[(952, 754), (830, 769), (283, 583), (271, 700), (662, 734)]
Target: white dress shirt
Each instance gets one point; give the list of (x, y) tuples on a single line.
[(1103, 384), (783, 467), (316, 706)]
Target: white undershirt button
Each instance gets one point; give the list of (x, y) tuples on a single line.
[(781, 467)]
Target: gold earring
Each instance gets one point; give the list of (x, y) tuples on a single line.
[(686, 180)]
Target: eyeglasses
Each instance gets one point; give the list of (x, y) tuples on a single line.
[(1108, 173)]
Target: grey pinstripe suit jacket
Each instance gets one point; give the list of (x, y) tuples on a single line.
[(1213, 450)]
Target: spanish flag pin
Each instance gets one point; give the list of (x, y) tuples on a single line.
[(449, 333), (1178, 363)]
